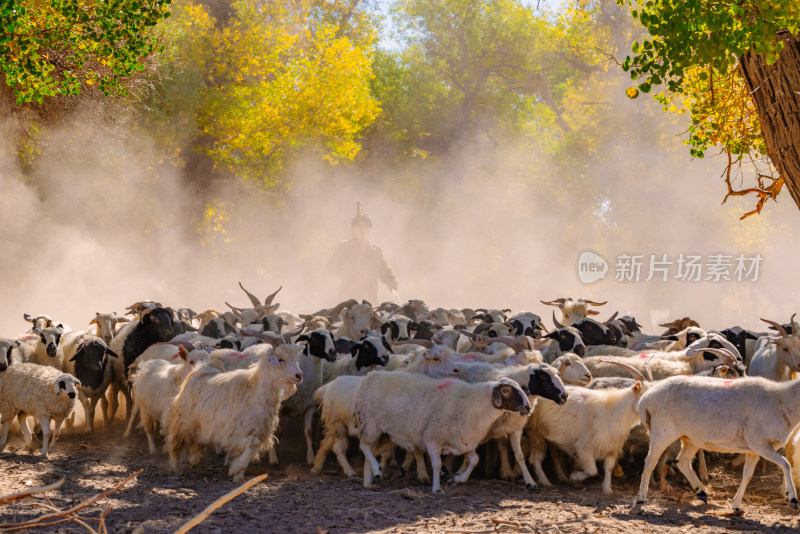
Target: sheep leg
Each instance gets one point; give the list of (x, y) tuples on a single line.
[(422, 472), (536, 457), (684, 463), (22, 419), (658, 444), (765, 450), (435, 454), (147, 425), (407, 461), (196, 456), (273, 454), (702, 468), (113, 403), (516, 445), (308, 419), (471, 459), (750, 463), (4, 436), (55, 434), (239, 465), (90, 415), (506, 473), (132, 420), (588, 467), (555, 455), (105, 409), (44, 422), (609, 464), (375, 472)]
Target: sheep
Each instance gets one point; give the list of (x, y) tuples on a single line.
[(153, 385), (357, 321), (400, 328), (572, 369), (684, 338), (337, 398), (677, 325), (217, 328), (154, 326), (104, 325), (444, 317), (317, 347), (751, 415), (526, 324), (427, 329), (7, 347), (542, 380), (779, 358), (41, 391), (574, 310), (366, 354), (236, 411), (414, 309), (85, 356), (691, 360), (592, 332), (42, 348), (592, 425), (566, 339), (424, 413), (40, 321)]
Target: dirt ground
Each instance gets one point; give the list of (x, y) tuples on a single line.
[(294, 500)]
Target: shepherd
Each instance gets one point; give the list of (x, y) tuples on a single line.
[(360, 264)]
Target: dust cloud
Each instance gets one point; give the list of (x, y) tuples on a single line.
[(100, 222)]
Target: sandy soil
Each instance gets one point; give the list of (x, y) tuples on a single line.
[(294, 500)]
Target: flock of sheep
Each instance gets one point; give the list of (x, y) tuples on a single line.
[(436, 382)]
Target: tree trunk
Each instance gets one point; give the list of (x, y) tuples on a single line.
[(776, 94)]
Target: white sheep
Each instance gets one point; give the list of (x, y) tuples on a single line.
[(154, 384), (592, 425), (104, 326), (424, 413), (692, 360), (777, 358), (42, 346), (337, 401), (357, 321), (39, 391), (368, 353), (236, 411), (752, 415)]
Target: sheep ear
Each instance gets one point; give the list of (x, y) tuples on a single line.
[(354, 349), (93, 321), (272, 358), (592, 312), (182, 352), (673, 337), (111, 353), (302, 338), (384, 328), (497, 397), (57, 387), (637, 387)]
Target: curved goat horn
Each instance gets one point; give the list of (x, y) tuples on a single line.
[(296, 332), (555, 321), (725, 355), (270, 297), (634, 372), (794, 325), (593, 303), (272, 339), (777, 326), (611, 319), (557, 302), (253, 298)]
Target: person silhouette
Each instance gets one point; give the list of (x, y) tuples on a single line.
[(360, 264)]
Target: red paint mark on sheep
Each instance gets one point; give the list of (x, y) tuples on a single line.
[(643, 355), (470, 356), (446, 383), (727, 383), (238, 355)]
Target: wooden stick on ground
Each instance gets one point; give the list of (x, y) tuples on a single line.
[(49, 520), (33, 491), (196, 520)]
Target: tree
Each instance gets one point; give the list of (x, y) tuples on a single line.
[(53, 48), (735, 67)]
